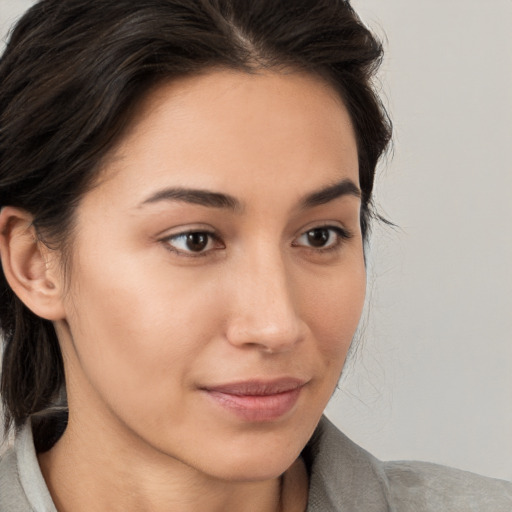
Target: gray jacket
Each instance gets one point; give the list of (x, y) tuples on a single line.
[(346, 478), (343, 478)]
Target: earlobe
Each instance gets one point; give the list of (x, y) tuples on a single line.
[(29, 266)]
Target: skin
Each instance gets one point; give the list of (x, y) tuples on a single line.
[(146, 324)]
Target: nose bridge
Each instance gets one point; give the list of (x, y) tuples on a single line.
[(264, 311)]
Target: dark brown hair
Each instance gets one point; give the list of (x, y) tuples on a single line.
[(71, 75)]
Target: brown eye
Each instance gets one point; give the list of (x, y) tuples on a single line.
[(318, 237), (322, 238), (193, 243), (197, 242)]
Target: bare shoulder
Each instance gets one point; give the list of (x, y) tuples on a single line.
[(426, 487)]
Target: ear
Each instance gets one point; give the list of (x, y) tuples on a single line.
[(30, 267)]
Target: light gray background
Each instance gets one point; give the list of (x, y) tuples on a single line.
[(432, 378)]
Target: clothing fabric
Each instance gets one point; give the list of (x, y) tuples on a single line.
[(343, 478), (346, 478)]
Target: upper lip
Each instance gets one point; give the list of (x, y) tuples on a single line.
[(258, 387)]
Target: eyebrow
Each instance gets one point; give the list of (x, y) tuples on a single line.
[(219, 200), (325, 195), (195, 196)]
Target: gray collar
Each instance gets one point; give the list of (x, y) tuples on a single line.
[(30, 475)]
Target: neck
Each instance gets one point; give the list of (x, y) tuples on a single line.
[(88, 469)]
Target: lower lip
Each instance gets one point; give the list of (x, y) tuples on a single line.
[(257, 408)]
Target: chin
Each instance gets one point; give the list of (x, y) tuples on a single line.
[(265, 465), (254, 457)]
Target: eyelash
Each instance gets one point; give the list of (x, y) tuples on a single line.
[(212, 238), (340, 233)]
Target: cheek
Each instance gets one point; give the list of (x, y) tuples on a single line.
[(334, 311), (135, 329)]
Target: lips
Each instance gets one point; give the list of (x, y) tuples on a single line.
[(257, 400)]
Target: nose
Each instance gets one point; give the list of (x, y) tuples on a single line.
[(265, 308)]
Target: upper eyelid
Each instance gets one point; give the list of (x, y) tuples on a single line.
[(189, 232), (182, 230), (334, 225), (212, 234), (341, 232), (217, 234)]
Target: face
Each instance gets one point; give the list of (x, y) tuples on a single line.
[(217, 274)]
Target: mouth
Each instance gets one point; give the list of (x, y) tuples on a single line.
[(257, 400)]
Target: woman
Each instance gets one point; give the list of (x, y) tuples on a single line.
[(186, 188)]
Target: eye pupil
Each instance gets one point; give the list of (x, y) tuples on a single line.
[(318, 237), (197, 241)]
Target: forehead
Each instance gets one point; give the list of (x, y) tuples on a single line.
[(229, 131)]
